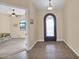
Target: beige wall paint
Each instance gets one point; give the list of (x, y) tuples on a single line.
[(15, 30), (59, 19), (4, 24), (32, 31), (71, 24), (7, 26)]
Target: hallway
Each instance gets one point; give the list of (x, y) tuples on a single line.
[(28, 23), (47, 50), (51, 50)]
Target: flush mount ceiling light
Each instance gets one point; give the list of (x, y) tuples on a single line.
[(13, 14), (50, 6)]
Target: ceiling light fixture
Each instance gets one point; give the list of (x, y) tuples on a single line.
[(50, 6), (13, 13)]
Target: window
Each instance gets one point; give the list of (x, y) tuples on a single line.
[(22, 25), (49, 26)]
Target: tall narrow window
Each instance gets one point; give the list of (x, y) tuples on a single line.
[(49, 26), (22, 25)]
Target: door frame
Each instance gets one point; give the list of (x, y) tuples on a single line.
[(55, 32)]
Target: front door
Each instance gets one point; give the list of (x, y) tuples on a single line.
[(50, 27)]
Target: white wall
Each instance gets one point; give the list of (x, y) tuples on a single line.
[(71, 25), (4, 24), (7, 26), (32, 29), (59, 20), (15, 30)]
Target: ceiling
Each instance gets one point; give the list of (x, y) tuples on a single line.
[(6, 6), (39, 4), (9, 9), (43, 4)]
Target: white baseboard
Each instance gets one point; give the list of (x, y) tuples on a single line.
[(71, 48), (40, 40), (19, 38), (29, 48), (59, 39)]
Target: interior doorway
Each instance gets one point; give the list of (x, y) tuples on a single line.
[(50, 27)]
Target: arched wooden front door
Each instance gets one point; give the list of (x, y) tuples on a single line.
[(50, 27)]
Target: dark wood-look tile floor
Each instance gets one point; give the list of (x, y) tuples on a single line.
[(51, 50), (47, 50)]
